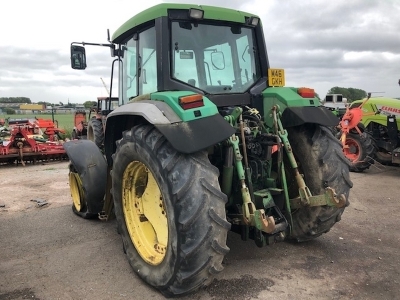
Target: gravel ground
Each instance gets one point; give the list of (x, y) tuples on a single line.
[(49, 253)]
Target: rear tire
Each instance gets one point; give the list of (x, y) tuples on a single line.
[(191, 227), (321, 160), (95, 132)]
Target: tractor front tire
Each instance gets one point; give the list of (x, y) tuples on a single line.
[(170, 212), (320, 158), (95, 132), (360, 150), (87, 177), (80, 197)]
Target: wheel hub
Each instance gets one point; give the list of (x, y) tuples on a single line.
[(144, 213), (352, 150)]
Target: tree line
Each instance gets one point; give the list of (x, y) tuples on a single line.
[(23, 100), (351, 94), (15, 100)]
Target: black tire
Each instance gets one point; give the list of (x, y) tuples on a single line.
[(74, 135), (80, 206), (95, 132), (361, 151), (194, 207), (335, 131), (321, 160), (87, 178)]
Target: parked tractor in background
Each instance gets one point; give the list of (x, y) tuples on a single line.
[(206, 139), (381, 119), (92, 128), (97, 122), (80, 125)]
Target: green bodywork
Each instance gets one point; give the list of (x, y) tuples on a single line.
[(172, 99), (377, 109), (284, 97), (161, 10)]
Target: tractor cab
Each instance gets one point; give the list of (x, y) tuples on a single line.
[(105, 105), (178, 47)]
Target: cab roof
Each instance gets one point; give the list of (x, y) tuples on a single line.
[(161, 10)]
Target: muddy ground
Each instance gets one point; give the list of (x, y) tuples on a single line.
[(49, 253)]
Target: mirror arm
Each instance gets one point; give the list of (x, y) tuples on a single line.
[(93, 44), (114, 52)]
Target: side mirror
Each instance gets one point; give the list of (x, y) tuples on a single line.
[(78, 57)]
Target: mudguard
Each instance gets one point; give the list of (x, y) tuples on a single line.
[(185, 137), (294, 116), (91, 166), (196, 135)]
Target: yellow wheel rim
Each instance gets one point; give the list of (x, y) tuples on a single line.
[(144, 212), (75, 186)]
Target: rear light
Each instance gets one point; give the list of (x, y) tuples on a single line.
[(192, 101), (306, 92)]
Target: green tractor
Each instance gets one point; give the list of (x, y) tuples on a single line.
[(205, 139), (380, 118)]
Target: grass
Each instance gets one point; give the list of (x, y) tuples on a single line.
[(64, 120)]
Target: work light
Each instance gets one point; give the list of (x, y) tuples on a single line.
[(253, 21), (195, 13)]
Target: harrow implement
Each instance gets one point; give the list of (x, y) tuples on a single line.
[(30, 140)]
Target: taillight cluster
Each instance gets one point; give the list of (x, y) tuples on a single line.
[(192, 101), (306, 92)]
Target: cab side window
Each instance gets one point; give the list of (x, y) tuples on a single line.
[(139, 67), (147, 62)]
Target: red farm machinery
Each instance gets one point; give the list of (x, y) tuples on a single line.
[(30, 140)]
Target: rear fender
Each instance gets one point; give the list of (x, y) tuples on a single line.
[(185, 137), (91, 166), (295, 116), (296, 110)]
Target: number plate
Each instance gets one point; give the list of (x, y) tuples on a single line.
[(276, 77)]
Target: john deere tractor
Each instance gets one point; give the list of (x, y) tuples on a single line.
[(206, 139)]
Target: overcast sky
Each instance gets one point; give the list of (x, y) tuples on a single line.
[(320, 44)]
